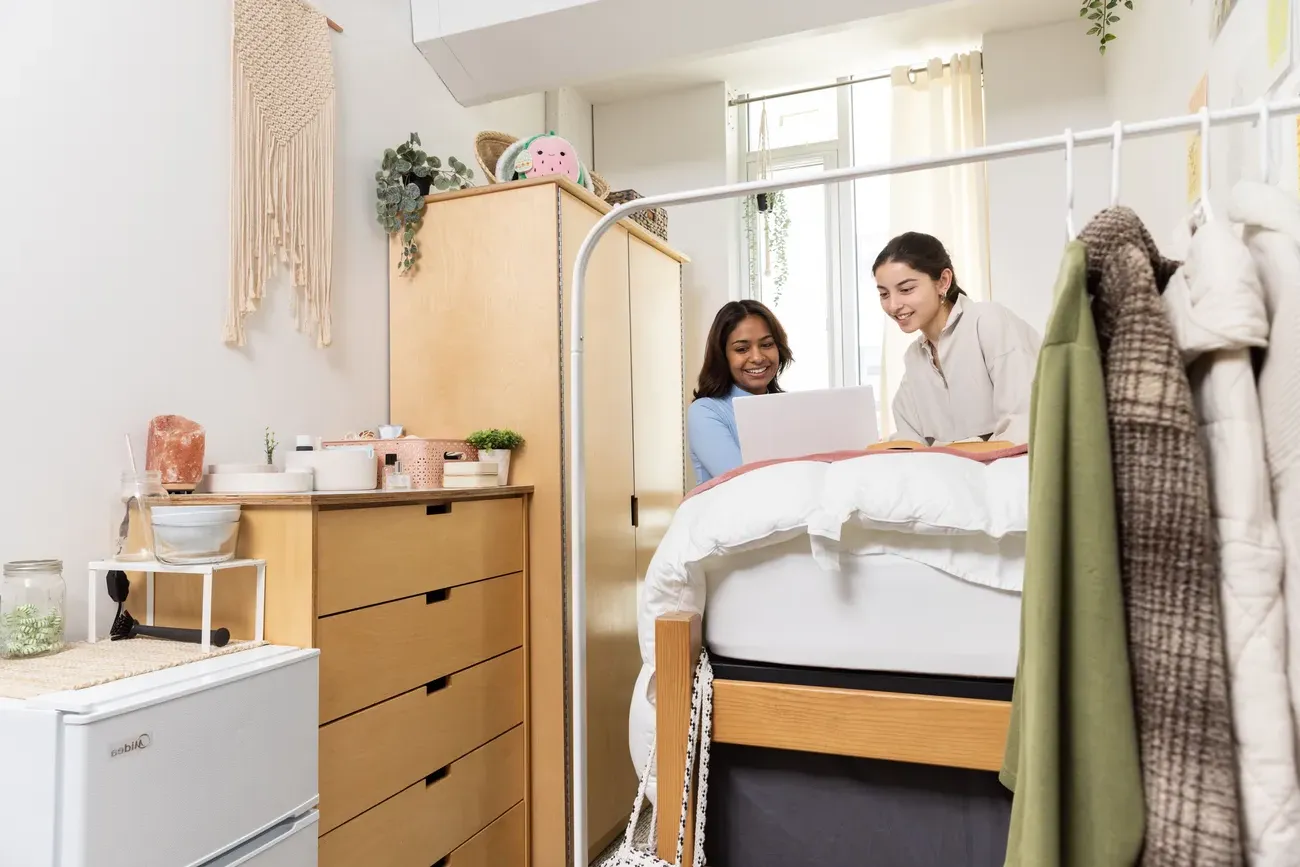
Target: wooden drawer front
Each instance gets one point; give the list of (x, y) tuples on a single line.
[(366, 757), (365, 556), (373, 654), (500, 844), (426, 821)]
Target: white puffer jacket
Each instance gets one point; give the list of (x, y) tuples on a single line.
[(1216, 304)]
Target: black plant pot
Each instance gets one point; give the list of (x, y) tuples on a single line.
[(425, 183)]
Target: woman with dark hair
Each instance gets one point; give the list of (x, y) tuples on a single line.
[(969, 373), (746, 352)]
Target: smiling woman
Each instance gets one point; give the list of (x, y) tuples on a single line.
[(970, 371), (746, 353)]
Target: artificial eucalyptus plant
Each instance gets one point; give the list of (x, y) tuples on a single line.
[(1102, 15), (767, 224), (405, 177)]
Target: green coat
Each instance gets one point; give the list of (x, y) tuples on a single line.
[(1072, 751)]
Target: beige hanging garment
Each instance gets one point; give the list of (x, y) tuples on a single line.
[(282, 161)]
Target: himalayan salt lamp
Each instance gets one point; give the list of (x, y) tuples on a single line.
[(175, 449)]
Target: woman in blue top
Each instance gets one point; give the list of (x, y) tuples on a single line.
[(746, 352)]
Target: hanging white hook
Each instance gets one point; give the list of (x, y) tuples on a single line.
[(1265, 140), (1117, 143), (1205, 163), (1069, 184)]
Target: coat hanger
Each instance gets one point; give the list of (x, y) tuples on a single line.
[(1117, 144), (1206, 213), (1265, 141), (1070, 233)]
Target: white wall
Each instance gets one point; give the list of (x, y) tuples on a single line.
[(1152, 68), (568, 114), (114, 159), (669, 143), (1037, 82)]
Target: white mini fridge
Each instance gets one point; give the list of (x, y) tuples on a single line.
[(208, 764)]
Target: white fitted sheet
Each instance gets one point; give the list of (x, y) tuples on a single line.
[(880, 612)]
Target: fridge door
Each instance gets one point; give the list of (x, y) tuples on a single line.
[(290, 844), (175, 768)]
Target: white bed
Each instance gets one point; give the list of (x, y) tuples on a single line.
[(880, 612), (887, 563)]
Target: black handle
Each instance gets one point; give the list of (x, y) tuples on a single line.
[(636, 512), (219, 637)]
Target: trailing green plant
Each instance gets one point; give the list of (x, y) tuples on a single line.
[(406, 172), (1102, 16), (269, 445), (766, 230), (492, 438)]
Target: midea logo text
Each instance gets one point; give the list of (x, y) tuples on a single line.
[(140, 743)]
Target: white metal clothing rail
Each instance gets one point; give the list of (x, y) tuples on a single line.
[(576, 493)]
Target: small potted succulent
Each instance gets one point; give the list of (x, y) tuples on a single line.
[(496, 445)]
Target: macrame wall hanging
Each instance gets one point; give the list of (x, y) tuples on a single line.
[(282, 162)]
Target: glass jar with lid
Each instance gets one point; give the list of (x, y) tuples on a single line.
[(132, 530), (32, 596)]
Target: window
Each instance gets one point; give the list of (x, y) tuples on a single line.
[(827, 302)]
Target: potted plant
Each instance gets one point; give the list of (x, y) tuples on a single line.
[(496, 445), (405, 177)]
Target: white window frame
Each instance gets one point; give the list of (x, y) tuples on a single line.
[(841, 246)]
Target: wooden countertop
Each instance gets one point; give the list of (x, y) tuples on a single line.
[(351, 498)]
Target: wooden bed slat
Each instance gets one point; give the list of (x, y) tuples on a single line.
[(928, 730)]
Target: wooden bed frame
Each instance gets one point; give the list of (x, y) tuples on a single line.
[(921, 729)]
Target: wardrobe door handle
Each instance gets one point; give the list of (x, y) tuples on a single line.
[(437, 596), (438, 509)]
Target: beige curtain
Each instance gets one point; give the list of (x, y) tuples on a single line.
[(938, 111)]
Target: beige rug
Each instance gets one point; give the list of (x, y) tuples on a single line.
[(80, 664)]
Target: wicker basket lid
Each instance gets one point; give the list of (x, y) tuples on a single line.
[(490, 145)]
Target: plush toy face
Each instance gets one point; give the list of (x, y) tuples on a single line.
[(548, 155)]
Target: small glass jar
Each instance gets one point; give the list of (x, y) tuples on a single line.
[(132, 528), (32, 595)]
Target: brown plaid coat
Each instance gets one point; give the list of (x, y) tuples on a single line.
[(1168, 556)]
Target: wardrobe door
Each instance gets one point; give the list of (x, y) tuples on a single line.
[(657, 416), (613, 656)]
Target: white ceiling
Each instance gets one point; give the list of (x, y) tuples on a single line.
[(873, 45)]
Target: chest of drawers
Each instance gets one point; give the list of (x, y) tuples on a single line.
[(417, 601)]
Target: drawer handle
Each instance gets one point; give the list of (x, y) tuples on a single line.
[(438, 509), (437, 596), (443, 861), (437, 775), (437, 685)]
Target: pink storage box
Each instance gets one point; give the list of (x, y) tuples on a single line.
[(421, 458)]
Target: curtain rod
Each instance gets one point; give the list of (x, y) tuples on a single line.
[(575, 490), (875, 76)]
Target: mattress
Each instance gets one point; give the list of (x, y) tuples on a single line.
[(876, 613), (879, 612)]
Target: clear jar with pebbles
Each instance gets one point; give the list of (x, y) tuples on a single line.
[(32, 597)]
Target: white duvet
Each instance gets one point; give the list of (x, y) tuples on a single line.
[(956, 514)]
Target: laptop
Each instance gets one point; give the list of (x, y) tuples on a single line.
[(798, 423)]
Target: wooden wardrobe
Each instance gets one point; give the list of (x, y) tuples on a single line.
[(479, 338)]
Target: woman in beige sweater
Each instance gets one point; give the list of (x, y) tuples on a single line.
[(969, 373)]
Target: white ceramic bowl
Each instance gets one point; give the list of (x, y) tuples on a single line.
[(344, 469), (192, 545), (240, 468)]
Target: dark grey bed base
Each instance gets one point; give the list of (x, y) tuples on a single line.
[(774, 808)]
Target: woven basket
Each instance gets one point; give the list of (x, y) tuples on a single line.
[(654, 220), (490, 145)]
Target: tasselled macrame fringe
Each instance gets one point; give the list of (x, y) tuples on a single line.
[(281, 212)]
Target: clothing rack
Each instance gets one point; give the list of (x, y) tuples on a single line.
[(576, 487)]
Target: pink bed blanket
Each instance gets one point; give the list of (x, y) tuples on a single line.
[(984, 456)]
